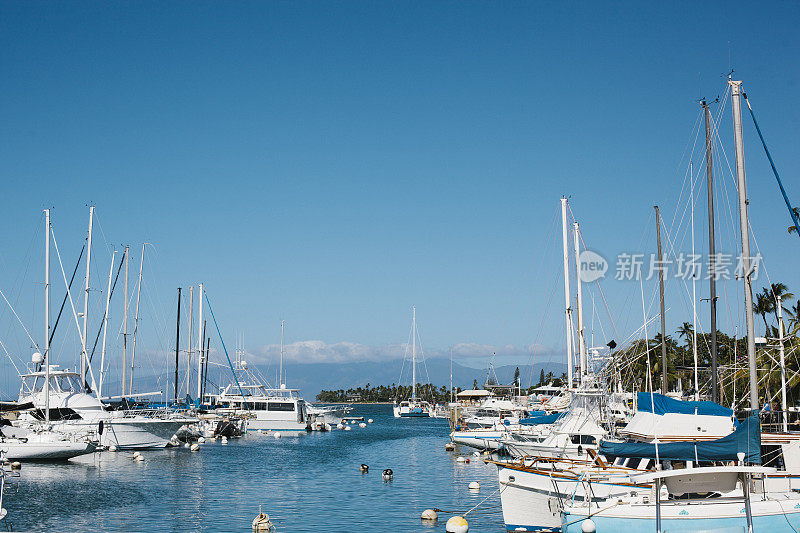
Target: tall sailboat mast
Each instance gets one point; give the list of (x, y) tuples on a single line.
[(664, 383), (280, 377), (84, 355), (136, 321), (413, 352), (47, 315), (567, 297), (177, 343), (581, 338), (741, 180), (784, 411), (189, 349), (694, 295), (105, 328), (125, 321), (200, 344), (712, 254)]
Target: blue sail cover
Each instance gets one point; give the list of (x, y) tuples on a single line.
[(746, 439), (661, 405), (542, 419)]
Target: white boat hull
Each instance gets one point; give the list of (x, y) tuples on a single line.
[(532, 501), (775, 515), (482, 439), (44, 451)]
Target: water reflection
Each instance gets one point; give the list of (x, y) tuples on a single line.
[(306, 482)]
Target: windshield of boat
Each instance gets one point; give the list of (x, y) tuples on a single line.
[(58, 383)]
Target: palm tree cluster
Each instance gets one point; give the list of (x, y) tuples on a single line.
[(387, 393), (631, 363)]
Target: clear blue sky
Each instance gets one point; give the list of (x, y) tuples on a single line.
[(332, 164)]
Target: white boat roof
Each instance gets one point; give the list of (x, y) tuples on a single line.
[(54, 370), (473, 393), (706, 471)]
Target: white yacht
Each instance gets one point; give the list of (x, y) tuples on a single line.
[(74, 411), (263, 408)]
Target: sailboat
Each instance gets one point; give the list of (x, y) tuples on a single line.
[(413, 407), (64, 402)]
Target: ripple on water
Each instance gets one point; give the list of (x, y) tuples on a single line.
[(308, 482)]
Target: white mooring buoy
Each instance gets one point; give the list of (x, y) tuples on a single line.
[(369, 421), (138, 458), (194, 447), (186, 445), (347, 428), (262, 522), (224, 440), (449, 447), (429, 514), (16, 465), (461, 459), (201, 440), (362, 425), (474, 486), (457, 524), (112, 448)]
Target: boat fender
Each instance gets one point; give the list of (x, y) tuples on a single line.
[(100, 428), (587, 526)]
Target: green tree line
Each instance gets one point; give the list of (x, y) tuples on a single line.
[(631, 361)]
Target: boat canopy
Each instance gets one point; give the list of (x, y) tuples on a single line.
[(470, 393), (745, 439), (661, 405), (535, 419)]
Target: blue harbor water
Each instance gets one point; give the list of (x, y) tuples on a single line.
[(309, 482)]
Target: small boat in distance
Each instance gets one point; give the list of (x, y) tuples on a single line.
[(413, 407)]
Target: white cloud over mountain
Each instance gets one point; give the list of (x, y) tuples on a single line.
[(315, 351)]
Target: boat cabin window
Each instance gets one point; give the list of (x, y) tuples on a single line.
[(583, 439), (259, 406), (280, 406), (68, 383), (772, 455)]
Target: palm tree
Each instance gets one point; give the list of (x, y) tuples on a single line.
[(780, 290), (796, 212), (793, 312), (764, 305)]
